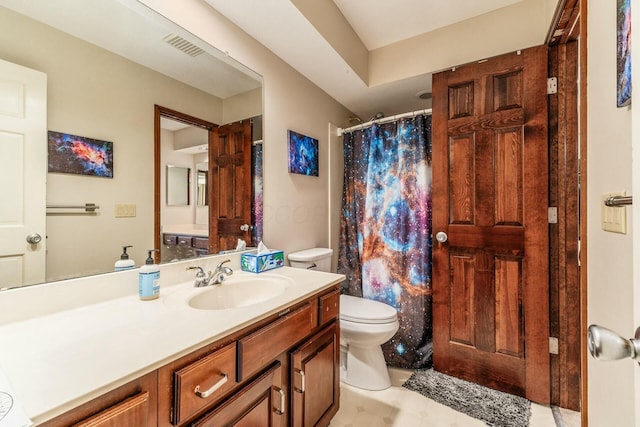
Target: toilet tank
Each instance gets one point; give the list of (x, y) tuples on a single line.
[(314, 259)]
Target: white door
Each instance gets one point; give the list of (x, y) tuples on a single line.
[(23, 174)]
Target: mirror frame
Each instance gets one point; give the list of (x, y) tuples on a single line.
[(160, 112)]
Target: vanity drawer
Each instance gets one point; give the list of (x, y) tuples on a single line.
[(329, 307), (202, 382), (185, 241), (261, 347), (201, 243), (170, 239)]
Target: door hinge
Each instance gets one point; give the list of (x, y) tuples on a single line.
[(553, 345), (552, 85), (553, 215)]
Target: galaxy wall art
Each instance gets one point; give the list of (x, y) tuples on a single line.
[(303, 154), (80, 155), (624, 53)]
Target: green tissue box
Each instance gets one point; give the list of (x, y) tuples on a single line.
[(255, 263)]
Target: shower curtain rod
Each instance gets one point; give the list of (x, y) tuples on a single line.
[(384, 120)]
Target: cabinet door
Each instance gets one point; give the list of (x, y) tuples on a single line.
[(315, 380), (262, 402)]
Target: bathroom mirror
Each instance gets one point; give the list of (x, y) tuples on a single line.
[(202, 174), (178, 185), (107, 64)]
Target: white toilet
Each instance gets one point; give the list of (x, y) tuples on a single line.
[(364, 326)]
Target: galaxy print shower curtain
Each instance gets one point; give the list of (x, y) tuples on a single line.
[(256, 209), (385, 244)]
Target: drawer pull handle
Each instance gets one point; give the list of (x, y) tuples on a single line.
[(205, 394), (282, 401), (283, 312), (302, 381)]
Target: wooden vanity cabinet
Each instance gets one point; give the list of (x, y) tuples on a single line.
[(279, 371), (287, 372), (133, 404), (182, 242)]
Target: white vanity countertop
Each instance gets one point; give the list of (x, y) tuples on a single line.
[(187, 229), (60, 360)]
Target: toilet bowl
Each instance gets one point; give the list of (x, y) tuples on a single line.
[(364, 326)]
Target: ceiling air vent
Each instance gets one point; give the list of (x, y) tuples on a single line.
[(183, 45)]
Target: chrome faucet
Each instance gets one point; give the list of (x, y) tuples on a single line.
[(222, 272), (211, 278), (201, 278)]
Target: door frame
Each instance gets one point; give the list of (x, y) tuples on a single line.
[(570, 25), (160, 112)]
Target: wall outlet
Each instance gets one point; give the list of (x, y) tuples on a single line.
[(123, 210), (614, 218)]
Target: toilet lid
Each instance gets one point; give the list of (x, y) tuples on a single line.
[(362, 310)]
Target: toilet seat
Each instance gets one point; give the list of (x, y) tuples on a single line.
[(362, 310)]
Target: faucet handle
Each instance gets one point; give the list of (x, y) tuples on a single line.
[(200, 272), (219, 266)]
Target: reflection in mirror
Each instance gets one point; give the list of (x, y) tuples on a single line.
[(183, 230), (202, 198), (233, 211), (178, 185), (107, 63)]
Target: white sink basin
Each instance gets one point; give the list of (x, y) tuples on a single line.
[(238, 292)]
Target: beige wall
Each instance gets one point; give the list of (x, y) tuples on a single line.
[(635, 140), (296, 207), (172, 215), (472, 38), (610, 260)]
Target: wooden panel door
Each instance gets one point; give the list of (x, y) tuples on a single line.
[(230, 192), (490, 195), (23, 166)]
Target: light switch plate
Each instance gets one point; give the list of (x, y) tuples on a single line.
[(614, 218), (124, 210)]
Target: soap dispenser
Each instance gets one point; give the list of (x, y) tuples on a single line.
[(124, 263), (149, 279)]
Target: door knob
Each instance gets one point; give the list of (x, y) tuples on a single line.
[(441, 236), (244, 227), (605, 344), (34, 238)]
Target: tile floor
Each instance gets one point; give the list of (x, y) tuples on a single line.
[(398, 406)]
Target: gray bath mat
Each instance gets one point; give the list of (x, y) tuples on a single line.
[(491, 406)]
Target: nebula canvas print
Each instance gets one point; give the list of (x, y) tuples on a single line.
[(303, 154), (80, 155), (624, 52)]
